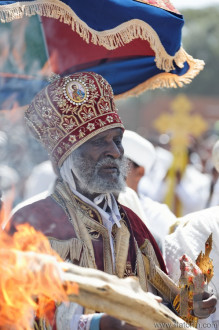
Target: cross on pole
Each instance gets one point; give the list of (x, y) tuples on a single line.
[(180, 125)]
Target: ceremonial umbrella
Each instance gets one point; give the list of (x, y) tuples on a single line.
[(134, 44)]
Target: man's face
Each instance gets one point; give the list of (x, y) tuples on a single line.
[(99, 165)]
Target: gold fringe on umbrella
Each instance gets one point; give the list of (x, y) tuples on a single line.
[(167, 80)]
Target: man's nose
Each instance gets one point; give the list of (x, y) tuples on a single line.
[(114, 150)]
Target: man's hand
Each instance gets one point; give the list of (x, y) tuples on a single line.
[(204, 305)]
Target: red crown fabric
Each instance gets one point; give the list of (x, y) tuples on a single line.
[(70, 111)]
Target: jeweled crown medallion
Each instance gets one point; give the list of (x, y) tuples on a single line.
[(75, 91)]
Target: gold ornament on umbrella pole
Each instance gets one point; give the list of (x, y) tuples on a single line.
[(180, 125), (193, 281)]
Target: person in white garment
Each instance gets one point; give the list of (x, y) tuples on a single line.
[(194, 188), (190, 237), (141, 155), (41, 179), (213, 199), (151, 184)]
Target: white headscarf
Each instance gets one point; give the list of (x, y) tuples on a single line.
[(66, 172)]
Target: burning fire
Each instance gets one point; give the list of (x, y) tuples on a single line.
[(30, 281)]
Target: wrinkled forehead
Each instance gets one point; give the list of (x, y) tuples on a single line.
[(107, 134), (110, 134)]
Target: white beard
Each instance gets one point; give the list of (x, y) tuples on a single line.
[(87, 175)]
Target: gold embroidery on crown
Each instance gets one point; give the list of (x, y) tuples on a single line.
[(69, 122), (87, 112), (104, 105), (55, 134)]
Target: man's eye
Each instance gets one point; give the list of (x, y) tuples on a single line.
[(118, 142)]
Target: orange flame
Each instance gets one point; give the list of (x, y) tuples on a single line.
[(30, 279), (5, 208)]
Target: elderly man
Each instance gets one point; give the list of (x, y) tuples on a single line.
[(81, 218)]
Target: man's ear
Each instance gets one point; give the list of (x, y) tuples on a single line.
[(140, 171)]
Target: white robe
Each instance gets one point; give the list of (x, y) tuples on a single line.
[(41, 179), (156, 216), (189, 238), (159, 216)]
